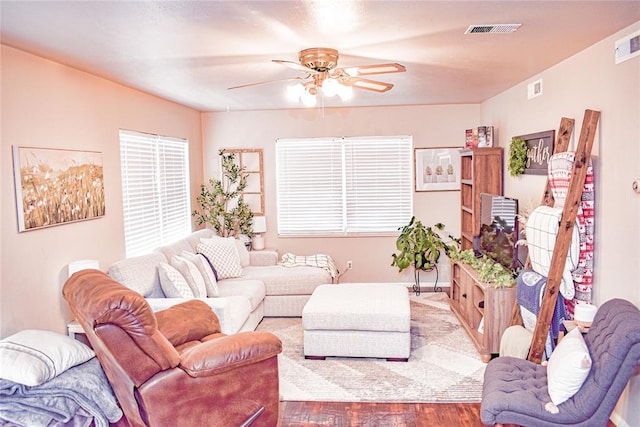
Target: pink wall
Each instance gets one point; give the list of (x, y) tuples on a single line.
[(45, 104), (591, 79), (430, 126)]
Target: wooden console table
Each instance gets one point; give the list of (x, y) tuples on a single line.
[(483, 310)]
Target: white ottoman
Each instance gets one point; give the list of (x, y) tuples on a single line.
[(358, 320)]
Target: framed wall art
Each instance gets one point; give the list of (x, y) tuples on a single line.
[(437, 169), (251, 160), (55, 186)]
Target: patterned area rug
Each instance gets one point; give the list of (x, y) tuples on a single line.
[(444, 365)]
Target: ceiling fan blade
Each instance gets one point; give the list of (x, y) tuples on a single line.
[(295, 66), (365, 70), (372, 85), (267, 82)]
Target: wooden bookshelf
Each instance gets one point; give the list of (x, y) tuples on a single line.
[(480, 172)]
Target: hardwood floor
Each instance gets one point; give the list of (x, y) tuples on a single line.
[(345, 414)]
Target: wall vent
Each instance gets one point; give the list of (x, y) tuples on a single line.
[(492, 29), (534, 89), (627, 47)]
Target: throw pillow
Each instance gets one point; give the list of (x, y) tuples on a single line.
[(32, 357), (209, 276), (191, 274), (243, 252), (568, 367), (173, 284), (223, 257)]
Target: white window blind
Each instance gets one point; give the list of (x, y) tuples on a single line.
[(340, 186), (155, 190)]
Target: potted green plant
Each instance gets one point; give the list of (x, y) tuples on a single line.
[(517, 156), (420, 247), (222, 206)]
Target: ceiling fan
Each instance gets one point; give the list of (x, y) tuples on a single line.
[(319, 63)]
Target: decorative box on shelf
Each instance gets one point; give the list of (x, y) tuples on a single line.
[(481, 136)]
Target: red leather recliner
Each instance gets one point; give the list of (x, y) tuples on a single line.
[(175, 367)]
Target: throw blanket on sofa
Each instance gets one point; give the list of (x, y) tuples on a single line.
[(318, 260), (75, 398)]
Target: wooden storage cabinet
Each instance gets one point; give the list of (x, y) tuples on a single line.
[(483, 310), (480, 172)]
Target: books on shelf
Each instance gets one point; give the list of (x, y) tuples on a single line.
[(481, 136)]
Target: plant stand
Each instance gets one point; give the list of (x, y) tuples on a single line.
[(416, 280)]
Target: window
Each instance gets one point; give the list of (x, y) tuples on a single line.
[(251, 160), (155, 190), (341, 186)]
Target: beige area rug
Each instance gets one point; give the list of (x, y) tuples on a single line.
[(444, 365)]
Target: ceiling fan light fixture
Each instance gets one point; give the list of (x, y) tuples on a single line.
[(330, 87), (345, 92), (308, 99), (324, 79), (294, 92)]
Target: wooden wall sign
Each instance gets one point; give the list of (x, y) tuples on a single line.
[(539, 150)]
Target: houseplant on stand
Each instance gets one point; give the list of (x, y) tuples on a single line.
[(420, 247), (222, 206)]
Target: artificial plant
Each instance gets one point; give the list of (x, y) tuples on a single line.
[(517, 156), (222, 205)]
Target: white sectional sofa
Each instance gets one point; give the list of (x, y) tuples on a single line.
[(265, 288)]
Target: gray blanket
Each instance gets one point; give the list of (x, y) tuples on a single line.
[(74, 398)]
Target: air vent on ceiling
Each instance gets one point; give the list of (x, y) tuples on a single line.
[(492, 29)]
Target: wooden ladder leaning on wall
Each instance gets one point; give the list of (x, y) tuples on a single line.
[(569, 213)]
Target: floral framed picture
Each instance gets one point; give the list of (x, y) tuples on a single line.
[(55, 186), (437, 169)]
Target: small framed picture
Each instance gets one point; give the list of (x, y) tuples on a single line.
[(437, 169)]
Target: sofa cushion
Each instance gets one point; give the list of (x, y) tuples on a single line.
[(232, 312), (223, 256), (209, 276), (139, 273), (199, 317), (279, 280), (175, 248), (253, 290), (192, 275), (194, 238), (172, 282)]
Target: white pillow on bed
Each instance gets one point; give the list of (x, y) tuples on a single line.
[(32, 357)]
